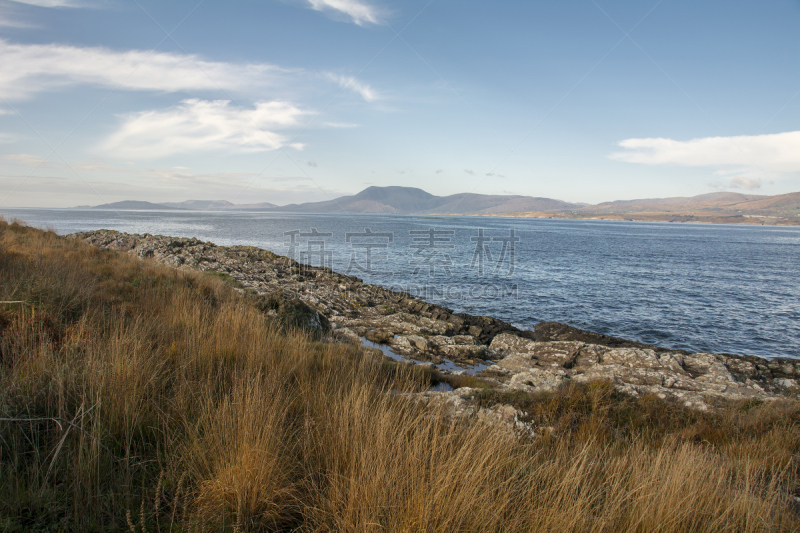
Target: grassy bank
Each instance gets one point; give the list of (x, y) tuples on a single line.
[(134, 397)]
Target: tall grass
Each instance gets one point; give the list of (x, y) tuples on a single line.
[(139, 398)]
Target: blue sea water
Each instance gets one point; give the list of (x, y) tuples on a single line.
[(700, 287)]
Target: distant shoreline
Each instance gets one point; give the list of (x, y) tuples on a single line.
[(685, 218), (678, 217), (711, 208)]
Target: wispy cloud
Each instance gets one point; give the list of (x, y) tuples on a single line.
[(203, 125), (359, 12), (743, 182), (52, 3), (362, 89), (12, 14), (778, 152), (9, 17), (26, 69), (23, 159)]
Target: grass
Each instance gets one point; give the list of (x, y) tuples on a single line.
[(134, 397), (464, 380), (227, 278)]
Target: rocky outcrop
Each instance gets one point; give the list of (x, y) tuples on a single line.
[(292, 312), (353, 309), (343, 308), (692, 379), (457, 404), (554, 331)]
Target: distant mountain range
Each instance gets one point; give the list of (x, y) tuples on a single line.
[(712, 207), (724, 201), (375, 200), (193, 205), (410, 200)]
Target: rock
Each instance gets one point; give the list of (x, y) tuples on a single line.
[(455, 321), (475, 331), (462, 353), (690, 379), (347, 335), (402, 345), (554, 331), (379, 337), (440, 341), (420, 343), (538, 380), (292, 312), (456, 404)]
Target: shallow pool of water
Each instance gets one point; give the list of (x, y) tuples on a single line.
[(447, 366)]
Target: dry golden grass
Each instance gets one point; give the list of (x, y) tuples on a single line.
[(138, 398)]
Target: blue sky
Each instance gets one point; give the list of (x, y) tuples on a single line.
[(303, 100)]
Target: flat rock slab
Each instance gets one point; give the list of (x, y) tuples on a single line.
[(691, 378)]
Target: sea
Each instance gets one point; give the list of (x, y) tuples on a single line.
[(699, 287)]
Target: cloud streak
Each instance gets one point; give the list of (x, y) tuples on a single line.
[(362, 89), (359, 12), (26, 69), (743, 182), (51, 3), (196, 125)]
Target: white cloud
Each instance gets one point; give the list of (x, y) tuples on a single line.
[(359, 12), (778, 152), (743, 182), (362, 89), (23, 159), (203, 125), (26, 69)]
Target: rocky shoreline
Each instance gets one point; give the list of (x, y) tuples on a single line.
[(342, 308)]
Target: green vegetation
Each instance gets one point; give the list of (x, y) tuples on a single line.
[(737, 428), (227, 278), (134, 397)]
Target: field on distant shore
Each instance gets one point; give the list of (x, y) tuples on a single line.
[(698, 217), (135, 397)]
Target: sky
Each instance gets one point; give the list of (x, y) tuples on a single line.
[(287, 101)]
